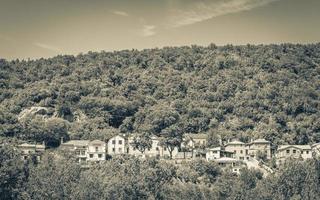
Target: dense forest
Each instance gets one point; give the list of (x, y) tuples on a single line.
[(269, 91), (250, 91)]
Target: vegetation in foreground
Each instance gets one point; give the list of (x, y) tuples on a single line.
[(59, 177)]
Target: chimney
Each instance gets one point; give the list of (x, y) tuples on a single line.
[(61, 140)]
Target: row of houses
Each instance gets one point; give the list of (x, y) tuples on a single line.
[(234, 153)]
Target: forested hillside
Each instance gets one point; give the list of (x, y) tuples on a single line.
[(234, 91)]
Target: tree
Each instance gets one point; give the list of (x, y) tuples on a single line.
[(13, 172), (142, 142), (171, 138)]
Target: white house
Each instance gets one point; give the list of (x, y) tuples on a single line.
[(96, 151), (293, 151), (117, 145)]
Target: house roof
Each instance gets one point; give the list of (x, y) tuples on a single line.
[(97, 142), (236, 142), (302, 147), (260, 141), (197, 136), (315, 145), (77, 142), (38, 146)]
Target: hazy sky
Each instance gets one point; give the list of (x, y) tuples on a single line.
[(44, 28)]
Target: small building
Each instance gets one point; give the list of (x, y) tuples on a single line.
[(28, 150), (96, 150), (232, 164), (196, 140), (117, 145), (238, 148), (293, 151), (218, 152), (259, 146), (78, 147)]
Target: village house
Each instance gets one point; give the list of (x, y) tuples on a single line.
[(238, 148), (293, 151), (86, 150), (195, 140), (243, 151), (96, 150), (156, 149), (117, 145), (28, 150), (259, 146), (218, 152)]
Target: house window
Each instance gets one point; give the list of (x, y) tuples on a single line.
[(294, 151), (288, 151), (120, 149), (91, 155), (165, 148), (307, 152), (97, 149), (235, 151), (113, 142), (241, 151), (246, 151), (100, 155), (113, 150), (120, 141), (157, 148)]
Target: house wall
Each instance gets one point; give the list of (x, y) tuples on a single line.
[(96, 152), (262, 147), (239, 150), (116, 145)]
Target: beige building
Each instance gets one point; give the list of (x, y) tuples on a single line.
[(196, 140), (246, 151), (156, 149), (218, 152), (258, 146), (238, 148), (293, 151), (28, 150), (117, 145)]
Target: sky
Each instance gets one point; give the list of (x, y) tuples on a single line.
[(46, 28)]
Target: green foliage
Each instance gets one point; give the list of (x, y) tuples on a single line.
[(142, 142), (269, 91), (13, 172)]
